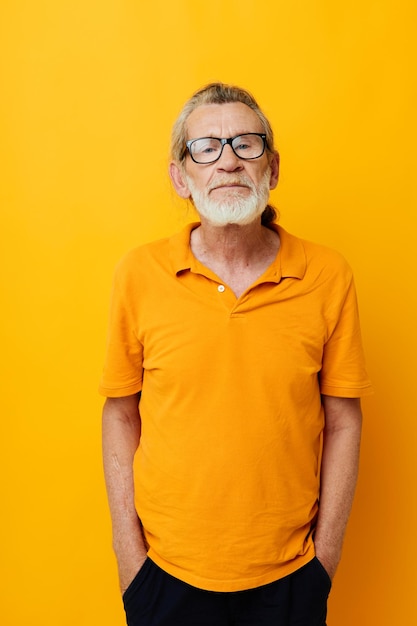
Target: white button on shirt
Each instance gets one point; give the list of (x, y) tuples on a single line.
[(221, 288)]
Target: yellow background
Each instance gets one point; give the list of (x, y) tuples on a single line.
[(90, 89)]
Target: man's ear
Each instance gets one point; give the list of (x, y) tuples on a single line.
[(176, 174), (273, 182)]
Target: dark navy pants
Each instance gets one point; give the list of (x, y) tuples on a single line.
[(154, 598)]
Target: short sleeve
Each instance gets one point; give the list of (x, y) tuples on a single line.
[(122, 372), (343, 371)]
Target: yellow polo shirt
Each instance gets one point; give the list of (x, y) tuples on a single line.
[(228, 468)]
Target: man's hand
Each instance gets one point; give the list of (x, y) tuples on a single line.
[(127, 572), (329, 562)]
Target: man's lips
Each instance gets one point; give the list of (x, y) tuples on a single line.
[(230, 186)]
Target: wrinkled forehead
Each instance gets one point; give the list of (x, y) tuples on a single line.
[(222, 120)]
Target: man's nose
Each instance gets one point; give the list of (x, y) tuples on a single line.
[(228, 160)]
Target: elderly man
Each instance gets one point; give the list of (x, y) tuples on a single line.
[(233, 375)]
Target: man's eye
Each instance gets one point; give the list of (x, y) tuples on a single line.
[(206, 147)]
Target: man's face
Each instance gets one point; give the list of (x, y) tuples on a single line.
[(230, 190)]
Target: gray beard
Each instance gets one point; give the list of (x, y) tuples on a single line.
[(234, 209)]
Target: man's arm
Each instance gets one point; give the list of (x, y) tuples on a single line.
[(121, 434), (339, 473)]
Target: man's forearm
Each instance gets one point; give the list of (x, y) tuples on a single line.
[(121, 434), (338, 477)]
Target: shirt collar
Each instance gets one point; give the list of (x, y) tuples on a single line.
[(290, 261)]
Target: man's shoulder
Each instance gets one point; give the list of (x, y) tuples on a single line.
[(319, 258), (320, 250), (144, 259), (324, 253), (150, 249)]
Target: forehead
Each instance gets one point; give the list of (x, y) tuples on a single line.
[(222, 120)]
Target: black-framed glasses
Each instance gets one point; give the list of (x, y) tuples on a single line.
[(209, 149)]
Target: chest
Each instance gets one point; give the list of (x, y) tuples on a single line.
[(204, 328)]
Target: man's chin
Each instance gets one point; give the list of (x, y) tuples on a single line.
[(233, 208), (231, 218)]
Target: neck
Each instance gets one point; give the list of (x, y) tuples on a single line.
[(236, 245)]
